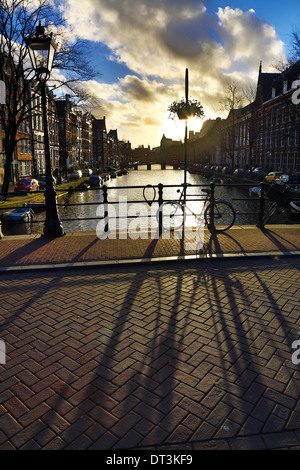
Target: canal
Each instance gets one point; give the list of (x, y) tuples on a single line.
[(87, 204)]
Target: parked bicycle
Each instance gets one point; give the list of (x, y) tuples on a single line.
[(283, 199), (217, 214)]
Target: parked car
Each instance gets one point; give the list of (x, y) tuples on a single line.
[(226, 170), (110, 168), (42, 181), (76, 175), (87, 172), (290, 179), (258, 171), (27, 185), (239, 172), (95, 180), (272, 176)]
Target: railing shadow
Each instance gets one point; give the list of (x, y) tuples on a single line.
[(25, 250), (188, 353)]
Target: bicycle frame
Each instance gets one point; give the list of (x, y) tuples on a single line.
[(185, 206), (281, 196), (210, 204)]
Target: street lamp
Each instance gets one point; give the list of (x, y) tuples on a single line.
[(41, 50)]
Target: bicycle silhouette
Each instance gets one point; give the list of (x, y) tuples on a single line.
[(283, 199), (217, 214)]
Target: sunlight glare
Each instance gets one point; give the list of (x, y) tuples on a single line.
[(175, 129)]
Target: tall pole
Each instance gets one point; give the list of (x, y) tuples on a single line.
[(186, 131), (53, 226)]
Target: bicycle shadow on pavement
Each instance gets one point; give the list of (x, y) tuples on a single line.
[(282, 243), (151, 355), (216, 243)]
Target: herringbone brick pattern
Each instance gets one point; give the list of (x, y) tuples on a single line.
[(85, 247), (185, 356)]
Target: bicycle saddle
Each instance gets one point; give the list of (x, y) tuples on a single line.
[(207, 191)]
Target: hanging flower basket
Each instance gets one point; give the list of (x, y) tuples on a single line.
[(186, 110)]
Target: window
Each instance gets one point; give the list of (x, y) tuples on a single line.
[(281, 138)]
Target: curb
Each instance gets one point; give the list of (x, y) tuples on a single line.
[(145, 261)]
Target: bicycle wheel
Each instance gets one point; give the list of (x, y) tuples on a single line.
[(295, 207), (171, 214), (223, 213), (268, 214)]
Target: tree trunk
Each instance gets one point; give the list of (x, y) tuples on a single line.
[(7, 169)]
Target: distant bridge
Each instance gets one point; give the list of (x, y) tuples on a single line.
[(163, 166)]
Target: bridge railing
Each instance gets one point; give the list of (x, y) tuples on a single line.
[(162, 194)]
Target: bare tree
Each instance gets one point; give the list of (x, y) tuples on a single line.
[(293, 56), (233, 100), (19, 19), (295, 47)]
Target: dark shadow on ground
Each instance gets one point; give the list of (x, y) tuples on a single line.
[(24, 251), (166, 354), (279, 241)]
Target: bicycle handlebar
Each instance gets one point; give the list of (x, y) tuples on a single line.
[(296, 190)]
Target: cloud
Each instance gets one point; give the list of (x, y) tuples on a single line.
[(158, 39), (136, 88), (245, 36)]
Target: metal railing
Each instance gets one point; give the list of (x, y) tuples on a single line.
[(160, 192)]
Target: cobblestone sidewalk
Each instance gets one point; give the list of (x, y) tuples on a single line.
[(85, 248), (194, 355)]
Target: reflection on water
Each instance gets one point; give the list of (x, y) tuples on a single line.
[(88, 203)]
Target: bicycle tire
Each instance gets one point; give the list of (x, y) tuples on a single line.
[(268, 214), (294, 206), (172, 215), (224, 216)]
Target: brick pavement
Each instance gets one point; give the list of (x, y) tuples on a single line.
[(85, 248), (193, 355)]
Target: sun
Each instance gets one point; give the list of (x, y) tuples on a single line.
[(175, 128), (195, 124)]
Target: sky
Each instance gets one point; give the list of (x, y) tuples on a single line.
[(140, 50)]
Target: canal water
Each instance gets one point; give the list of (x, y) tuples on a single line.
[(74, 207)]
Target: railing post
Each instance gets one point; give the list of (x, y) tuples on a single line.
[(160, 202), (211, 208), (106, 228), (261, 204)]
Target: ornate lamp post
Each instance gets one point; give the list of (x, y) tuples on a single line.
[(41, 50)]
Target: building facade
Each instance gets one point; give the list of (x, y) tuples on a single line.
[(100, 143), (68, 134), (76, 138), (278, 126), (266, 132)]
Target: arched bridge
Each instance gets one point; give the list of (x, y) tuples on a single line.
[(163, 166)]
